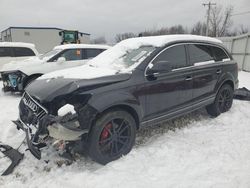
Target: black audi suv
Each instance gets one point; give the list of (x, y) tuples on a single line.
[(97, 108)]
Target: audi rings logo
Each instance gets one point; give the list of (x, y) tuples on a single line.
[(30, 104)]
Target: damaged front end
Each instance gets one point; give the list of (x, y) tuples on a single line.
[(64, 129), (13, 81)]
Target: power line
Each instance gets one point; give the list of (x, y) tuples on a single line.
[(241, 13), (208, 13)]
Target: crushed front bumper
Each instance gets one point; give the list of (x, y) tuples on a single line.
[(32, 146), (14, 155)]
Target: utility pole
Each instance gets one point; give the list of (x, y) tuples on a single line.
[(208, 14)]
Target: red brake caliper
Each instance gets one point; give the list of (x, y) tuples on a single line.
[(105, 132)]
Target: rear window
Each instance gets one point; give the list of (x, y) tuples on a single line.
[(21, 52), (219, 54), (5, 52), (90, 53), (200, 53)]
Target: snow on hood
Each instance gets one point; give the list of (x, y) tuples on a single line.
[(83, 72), (105, 62), (19, 65)]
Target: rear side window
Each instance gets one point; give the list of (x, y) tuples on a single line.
[(22, 52), (200, 53), (5, 52), (90, 53), (219, 54), (175, 55)]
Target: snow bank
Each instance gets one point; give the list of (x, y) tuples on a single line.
[(196, 151)]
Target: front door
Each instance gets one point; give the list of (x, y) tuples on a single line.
[(170, 90)]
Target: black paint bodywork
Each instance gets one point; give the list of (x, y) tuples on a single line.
[(150, 99)]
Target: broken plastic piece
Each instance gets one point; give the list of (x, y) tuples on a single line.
[(242, 94), (14, 155)]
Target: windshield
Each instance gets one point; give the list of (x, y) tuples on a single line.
[(50, 54), (127, 59)]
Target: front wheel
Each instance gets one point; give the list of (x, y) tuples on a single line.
[(223, 101), (112, 136)]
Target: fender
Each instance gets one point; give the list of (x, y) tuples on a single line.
[(225, 77), (117, 98)]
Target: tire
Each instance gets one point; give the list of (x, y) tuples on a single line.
[(112, 136), (223, 101)]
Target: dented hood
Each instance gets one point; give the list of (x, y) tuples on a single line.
[(46, 90)]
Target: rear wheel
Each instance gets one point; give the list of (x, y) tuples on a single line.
[(223, 101), (112, 136)]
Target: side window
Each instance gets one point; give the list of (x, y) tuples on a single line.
[(175, 55), (22, 52), (219, 54), (90, 53), (5, 52), (200, 53), (72, 55)]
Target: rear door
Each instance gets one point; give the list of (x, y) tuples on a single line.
[(171, 90), (206, 70)]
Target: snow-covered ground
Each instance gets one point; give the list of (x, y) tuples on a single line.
[(191, 151)]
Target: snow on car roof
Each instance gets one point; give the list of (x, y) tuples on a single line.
[(114, 54), (70, 46), (127, 45), (17, 44)]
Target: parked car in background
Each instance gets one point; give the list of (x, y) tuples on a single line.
[(17, 75), (15, 51), (141, 81)]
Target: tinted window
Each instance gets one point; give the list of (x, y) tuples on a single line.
[(72, 55), (90, 53), (219, 54), (20, 52), (176, 56), (5, 52), (200, 53)]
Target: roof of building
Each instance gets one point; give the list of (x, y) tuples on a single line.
[(55, 28)]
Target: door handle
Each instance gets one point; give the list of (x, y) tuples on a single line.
[(188, 78), (218, 71)]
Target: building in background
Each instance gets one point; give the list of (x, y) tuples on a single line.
[(239, 46), (45, 38)]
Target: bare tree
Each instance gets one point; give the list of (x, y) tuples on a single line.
[(123, 36), (99, 40), (220, 21), (243, 30), (199, 29), (177, 29)]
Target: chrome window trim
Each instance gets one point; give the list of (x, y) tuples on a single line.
[(190, 66)]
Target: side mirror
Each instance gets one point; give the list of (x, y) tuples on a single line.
[(61, 60), (159, 67)]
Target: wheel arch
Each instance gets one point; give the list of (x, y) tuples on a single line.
[(124, 107)]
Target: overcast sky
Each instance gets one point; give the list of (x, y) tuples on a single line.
[(109, 17)]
